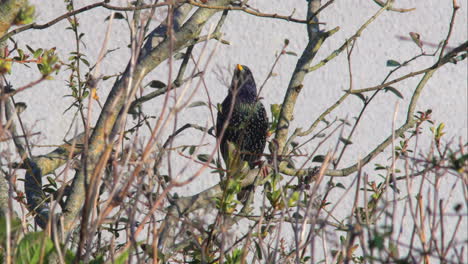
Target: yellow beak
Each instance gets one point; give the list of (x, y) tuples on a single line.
[(239, 67)]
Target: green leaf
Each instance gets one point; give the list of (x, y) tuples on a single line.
[(393, 90), (157, 84), (258, 250), (318, 158), (380, 167), (346, 141), (439, 131), (203, 157), (21, 54), (345, 121), (292, 53), (52, 181), (340, 185), (117, 15), (32, 247), (196, 104), (30, 49), (191, 150), (360, 96), (5, 66), (342, 240), (48, 190), (458, 58), (294, 198), (179, 55), (85, 61), (275, 111), (394, 250), (297, 215), (377, 242), (122, 259), (98, 260), (393, 63), (20, 107), (235, 258), (325, 121), (25, 15)]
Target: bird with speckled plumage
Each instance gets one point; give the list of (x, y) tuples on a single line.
[(242, 119)]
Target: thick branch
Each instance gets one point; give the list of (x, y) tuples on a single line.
[(117, 98), (316, 38), (4, 36), (248, 11)]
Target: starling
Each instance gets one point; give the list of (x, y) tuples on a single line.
[(244, 117)]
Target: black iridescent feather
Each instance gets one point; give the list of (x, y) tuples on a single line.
[(245, 118)]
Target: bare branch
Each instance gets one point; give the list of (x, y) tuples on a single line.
[(73, 13)]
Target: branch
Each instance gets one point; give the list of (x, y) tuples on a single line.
[(159, 33), (382, 86), (75, 12), (302, 68), (42, 165), (182, 206), (249, 11), (401, 10), (48, 163), (117, 98), (405, 127), (33, 178), (382, 146), (316, 39), (145, 98), (350, 40), (312, 127)]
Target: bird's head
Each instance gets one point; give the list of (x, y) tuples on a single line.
[(243, 83)]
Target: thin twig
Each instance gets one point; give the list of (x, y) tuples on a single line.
[(75, 12), (250, 11)]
